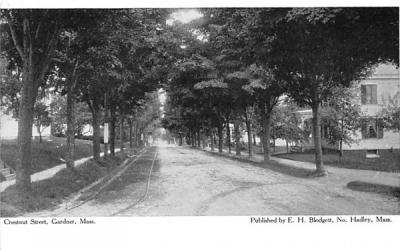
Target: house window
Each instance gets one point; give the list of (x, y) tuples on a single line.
[(372, 153), (372, 128), (369, 94)]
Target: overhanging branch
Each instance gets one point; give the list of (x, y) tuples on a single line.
[(16, 41)]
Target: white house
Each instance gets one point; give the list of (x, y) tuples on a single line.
[(374, 94), (9, 128)]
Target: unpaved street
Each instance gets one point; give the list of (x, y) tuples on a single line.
[(191, 182)]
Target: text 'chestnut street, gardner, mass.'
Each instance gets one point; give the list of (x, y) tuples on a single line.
[(47, 221)]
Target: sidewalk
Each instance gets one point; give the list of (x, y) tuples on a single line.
[(351, 175), (48, 173)]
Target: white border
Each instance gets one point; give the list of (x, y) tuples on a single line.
[(188, 3), (201, 233)]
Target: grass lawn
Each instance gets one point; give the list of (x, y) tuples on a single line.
[(388, 162), (48, 193), (51, 152)]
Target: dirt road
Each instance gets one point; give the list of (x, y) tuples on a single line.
[(189, 182)]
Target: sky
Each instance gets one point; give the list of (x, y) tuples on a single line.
[(184, 16)]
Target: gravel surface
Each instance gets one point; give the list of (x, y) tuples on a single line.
[(189, 182)]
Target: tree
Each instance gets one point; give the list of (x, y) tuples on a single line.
[(391, 113), (262, 84), (215, 91), (341, 116), (144, 52), (41, 118), (58, 111), (34, 35), (287, 123), (10, 88), (240, 35), (316, 50)]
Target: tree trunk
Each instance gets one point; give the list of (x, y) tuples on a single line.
[(130, 133), (248, 128), (180, 139), (341, 141), (105, 121), (137, 134), (25, 123), (112, 129), (274, 144), (236, 128), (198, 138), (266, 122), (96, 132), (317, 139), (228, 137), (254, 140), (287, 146), (195, 137), (36, 58), (212, 140), (70, 129), (121, 132), (40, 133), (341, 150), (220, 138)]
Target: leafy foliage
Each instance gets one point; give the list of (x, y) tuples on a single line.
[(341, 114), (391, 113)]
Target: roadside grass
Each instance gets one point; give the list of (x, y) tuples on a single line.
[(257, 149), (46, 194), (385, 163), (51, 152)]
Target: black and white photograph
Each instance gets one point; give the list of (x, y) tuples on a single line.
[(272, 114)]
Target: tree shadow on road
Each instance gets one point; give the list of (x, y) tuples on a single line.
[(287, 170), (283, 169), (374, 188)]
